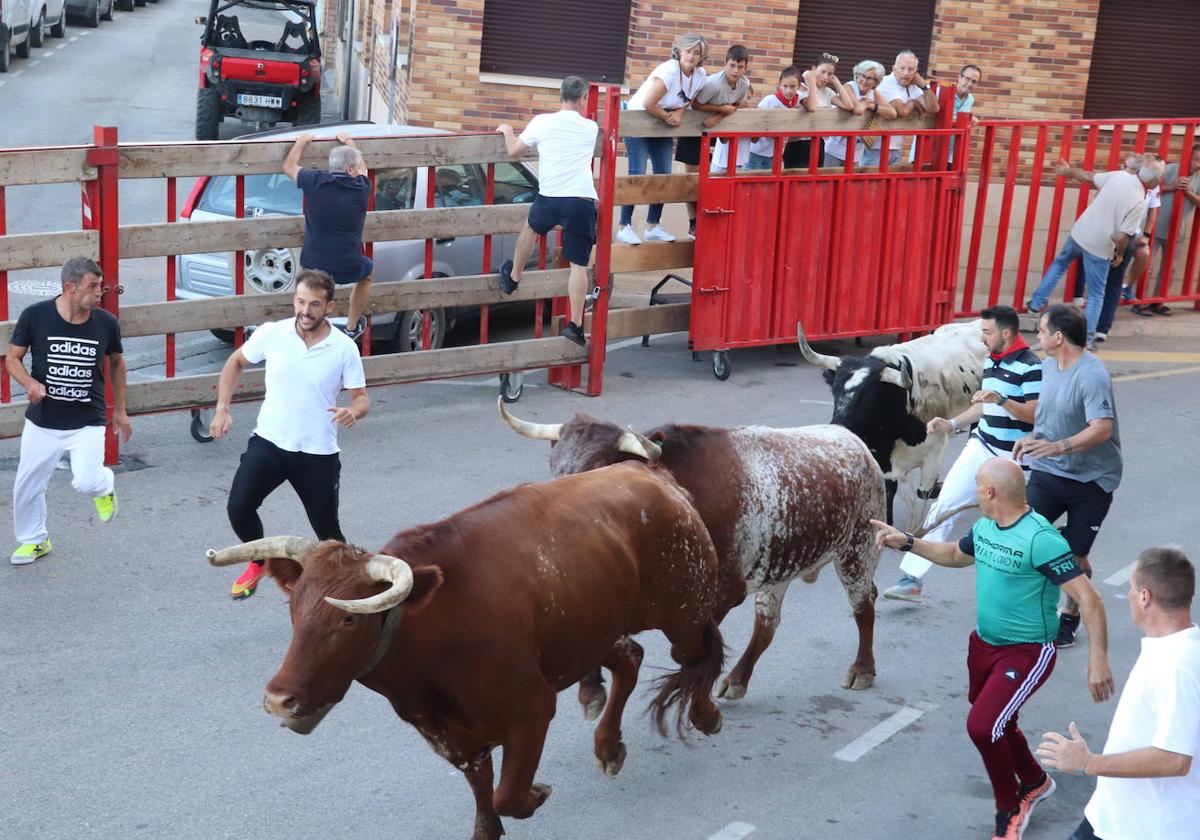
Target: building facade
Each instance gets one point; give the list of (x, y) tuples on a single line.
[(471, 64)]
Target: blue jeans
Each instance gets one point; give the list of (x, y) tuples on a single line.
[(659, 151), (1112, 288), (1095, 270), (758, 162)]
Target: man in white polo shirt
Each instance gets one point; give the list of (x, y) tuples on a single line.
[(308, 363), (1149, 780), (566, 142), (909, 94)]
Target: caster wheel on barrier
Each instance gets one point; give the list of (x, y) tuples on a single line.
[(721, 365), (199, 429), (512, 384)]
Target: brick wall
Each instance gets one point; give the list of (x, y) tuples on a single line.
[(1035, 54)]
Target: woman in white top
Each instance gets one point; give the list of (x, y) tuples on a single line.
[(820, 89), (864, 91), (665, 94)]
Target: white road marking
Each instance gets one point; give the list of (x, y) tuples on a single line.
[(61, 46), (733, 831), (73, 38), (877, 734), (35, 62), (81, 34), (815, 402), (49, 55), (1120, 577), (2, 82)]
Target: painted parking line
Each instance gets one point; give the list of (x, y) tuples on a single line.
[(733, 831), (877, 734), (1166, 358), (1121, 577), (35, 62), (62, 46), (73, 38), (1157, 374)]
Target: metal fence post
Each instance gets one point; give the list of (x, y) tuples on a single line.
[(604, 236), (105, 218)]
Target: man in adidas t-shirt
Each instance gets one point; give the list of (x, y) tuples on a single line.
[(566, 143), (70, 337), (1003, 409), (1021, 562)]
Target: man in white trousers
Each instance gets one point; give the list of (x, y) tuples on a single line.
[(70, 337), (1002, 413)]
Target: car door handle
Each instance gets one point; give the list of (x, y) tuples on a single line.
[(445, 240)]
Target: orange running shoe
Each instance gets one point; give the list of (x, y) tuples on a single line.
[(245, 585)]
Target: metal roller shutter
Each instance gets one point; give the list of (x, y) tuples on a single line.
[(1144, 60), (862, 29), (556, 38)]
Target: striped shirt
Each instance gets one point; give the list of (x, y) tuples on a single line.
[(1018, 376)]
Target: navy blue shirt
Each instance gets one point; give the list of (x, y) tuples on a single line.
[(335, 207)]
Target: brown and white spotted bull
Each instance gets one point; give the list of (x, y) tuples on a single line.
[(779, 504), (471, 626)]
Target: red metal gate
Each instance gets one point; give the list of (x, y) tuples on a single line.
[(845, 252)]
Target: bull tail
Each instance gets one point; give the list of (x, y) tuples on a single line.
[(681, 689)]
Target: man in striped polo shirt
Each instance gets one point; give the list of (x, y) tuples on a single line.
[(1002, 413), (1021, 562)]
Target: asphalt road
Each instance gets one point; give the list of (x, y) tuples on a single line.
[(130, 684)]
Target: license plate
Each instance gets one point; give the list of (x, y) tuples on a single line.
[(261, 101)]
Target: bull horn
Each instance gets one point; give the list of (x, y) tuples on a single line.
[(636, 443), (812, 356), (537, 431), (387, 569), (896, 377), (287, 547)]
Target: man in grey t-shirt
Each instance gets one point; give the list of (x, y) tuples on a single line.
[(1188, 190), (1074, 453)]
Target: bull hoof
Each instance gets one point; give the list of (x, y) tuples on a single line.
[(594, 707), (613, 766), (857, 682), (731, 690), (715, 726), (540, 794)]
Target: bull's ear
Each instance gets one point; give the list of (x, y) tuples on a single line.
[(286, 572), (828, 376), (426, 581), (913, 431)]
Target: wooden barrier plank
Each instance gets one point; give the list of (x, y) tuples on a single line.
[(396, 296), (160, 160), (43, 250), (651, 256), (655, 189), (642, 124), (45, 166), (639, 320), (187, 391), (168, 238)]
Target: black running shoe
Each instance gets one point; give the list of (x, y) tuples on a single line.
[(1067, 625), (507, 284), (574, 332)]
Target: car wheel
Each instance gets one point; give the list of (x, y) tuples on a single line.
[(268, 271), (208, 113), (91, 18), (37, 32), (22, 50), (309, 111), (408, 335), (139, 2), (4, 55), (124, 5), (108, 12), (59, 30)]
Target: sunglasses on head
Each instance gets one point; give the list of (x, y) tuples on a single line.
[(832, 59)]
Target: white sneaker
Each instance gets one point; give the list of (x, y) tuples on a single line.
[(657, 234), (627, 236)]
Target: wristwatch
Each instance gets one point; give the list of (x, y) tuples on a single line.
[(1003, 399), (909, 539)]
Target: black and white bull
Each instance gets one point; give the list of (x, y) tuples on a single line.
[(888, 396), (778, 503)]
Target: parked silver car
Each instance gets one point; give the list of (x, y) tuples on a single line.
[(274, 269)]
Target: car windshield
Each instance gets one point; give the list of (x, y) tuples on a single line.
[(260, 25), (274, 194)]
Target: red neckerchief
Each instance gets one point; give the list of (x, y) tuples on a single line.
[(1019, 344), (792, 103)]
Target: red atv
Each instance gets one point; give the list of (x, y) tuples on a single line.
[(263, 68)]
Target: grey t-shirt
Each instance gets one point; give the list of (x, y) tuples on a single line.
[(1069, 400), (1170, 176), (716, 91)]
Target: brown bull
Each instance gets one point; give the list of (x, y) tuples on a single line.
[(471, 626), (779, 504)]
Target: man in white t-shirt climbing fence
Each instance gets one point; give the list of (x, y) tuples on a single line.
[(1100, 234), (308, 363), (566, 142), (910, 94), (1149, 782)]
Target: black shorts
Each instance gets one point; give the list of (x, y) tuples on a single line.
[(345, 279), (577, 218), (1085, 504), (687, 150)]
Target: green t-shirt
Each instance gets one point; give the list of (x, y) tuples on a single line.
[(1018, 572)]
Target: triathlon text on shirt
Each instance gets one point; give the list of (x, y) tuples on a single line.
[(71, 368)]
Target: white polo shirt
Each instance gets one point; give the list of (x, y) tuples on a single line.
[(302, 385), (1159, 707)]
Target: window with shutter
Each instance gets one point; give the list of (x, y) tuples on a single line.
[(556, 38), (862, 29), (1144, 60)]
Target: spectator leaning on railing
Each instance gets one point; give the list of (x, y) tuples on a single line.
[(909, 93), (1188, 187), (864, 90)]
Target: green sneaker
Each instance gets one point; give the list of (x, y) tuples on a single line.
[(106, 506), (28, 552)]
